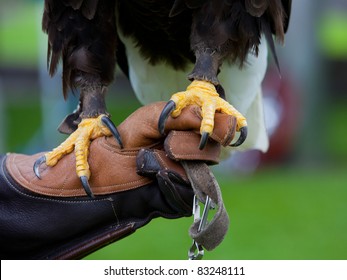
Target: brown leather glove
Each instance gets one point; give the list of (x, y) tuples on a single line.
[(53, 218)]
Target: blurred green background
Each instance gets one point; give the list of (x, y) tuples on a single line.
[(287, 204)]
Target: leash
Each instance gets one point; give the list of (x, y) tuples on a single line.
[(205, 234)]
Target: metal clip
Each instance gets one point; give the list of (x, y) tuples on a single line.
[(196, 251)]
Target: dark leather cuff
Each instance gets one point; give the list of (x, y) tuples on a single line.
[(36, 226)]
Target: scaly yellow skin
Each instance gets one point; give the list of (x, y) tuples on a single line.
[(204, 95), (200, 93), (79, 140)]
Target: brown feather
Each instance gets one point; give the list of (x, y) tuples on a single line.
[(83, 34), (178, 7), (75, 4), (181, 5), (234, 27), (89, 8), (256, 7)]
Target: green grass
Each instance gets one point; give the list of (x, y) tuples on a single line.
[(275, 214), (19, 129), (336, 131)]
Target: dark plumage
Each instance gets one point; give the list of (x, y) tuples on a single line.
[(83, 33)]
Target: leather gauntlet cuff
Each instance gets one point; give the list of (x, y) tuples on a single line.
[(36, 226)]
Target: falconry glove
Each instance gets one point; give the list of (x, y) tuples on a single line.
[(52, 217)]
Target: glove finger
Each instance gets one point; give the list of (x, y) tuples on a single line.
[(140, 129)]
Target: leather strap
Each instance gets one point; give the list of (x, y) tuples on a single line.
[(205, 184)]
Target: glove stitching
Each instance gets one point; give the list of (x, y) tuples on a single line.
[(99, 190), (13, 187), (114, 211)]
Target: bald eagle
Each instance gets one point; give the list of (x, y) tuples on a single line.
[(211, 53)]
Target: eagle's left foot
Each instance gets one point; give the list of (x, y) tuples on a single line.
[(79, 140), (203, 94)]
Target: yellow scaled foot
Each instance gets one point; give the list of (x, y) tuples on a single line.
[(79, 141), (204, 95)]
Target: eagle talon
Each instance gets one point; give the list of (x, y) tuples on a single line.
[(242, 138), (86, 186), (168, 109), (37, 165), (79, 141), (203, 140), (110, 125)]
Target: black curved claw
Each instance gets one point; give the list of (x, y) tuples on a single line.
[(203, 140), (85, 184), (110, 125), (169, 107), (37, 165), (242, 138)]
